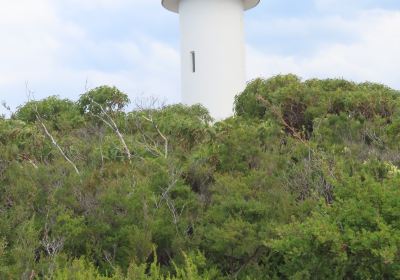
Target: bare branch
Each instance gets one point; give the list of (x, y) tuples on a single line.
[(28, 159), (148, 105), (32, 275), (51, 246), (53, 141), (111, 123), (150, 119), (278, 114), (169, 202), (108, 258), (8, 108), (57, 146)]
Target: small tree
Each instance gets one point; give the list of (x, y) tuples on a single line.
[(61, 113), (109, 98)]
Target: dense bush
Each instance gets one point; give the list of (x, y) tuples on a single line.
[(302, 183)]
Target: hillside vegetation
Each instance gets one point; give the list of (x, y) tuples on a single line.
[(302, 183)]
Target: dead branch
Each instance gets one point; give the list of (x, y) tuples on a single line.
[(108, 120), (32, 275), (8, 108), (28, 159), (150, 119), (51, 246), (108, 258), (315, 161), (165, 196), (147, 106), (54, 142), (278, 114)]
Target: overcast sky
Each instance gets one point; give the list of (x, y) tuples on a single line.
[(57, 45)]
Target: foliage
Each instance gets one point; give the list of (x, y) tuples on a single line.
[(109, 98), (302, 183), (61, 112)]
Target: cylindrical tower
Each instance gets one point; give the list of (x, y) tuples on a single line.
[(212, 51)]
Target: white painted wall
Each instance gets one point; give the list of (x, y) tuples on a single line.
[(213, 29)]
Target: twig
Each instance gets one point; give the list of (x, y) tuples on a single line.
[(147, 106), (278, 114), (32, 275), (8, 108), (111, 123), (58, 147), (165, 196), (150, 119), (107, 258), (54, 142), (26, 158)]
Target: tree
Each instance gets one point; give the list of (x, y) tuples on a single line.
[(302, 183), (62, 114), (109, 98)]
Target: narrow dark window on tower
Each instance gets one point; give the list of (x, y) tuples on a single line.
[(193, 54)]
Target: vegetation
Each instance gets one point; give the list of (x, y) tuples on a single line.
[(302, 183)]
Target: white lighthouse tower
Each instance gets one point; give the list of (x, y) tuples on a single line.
[(212, 51)]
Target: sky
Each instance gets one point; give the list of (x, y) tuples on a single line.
[(63, 47)]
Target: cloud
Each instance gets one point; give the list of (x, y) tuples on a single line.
[(133, 44), (57, 54), (349, 6), (373, 55), (108, 4), (329, 5)]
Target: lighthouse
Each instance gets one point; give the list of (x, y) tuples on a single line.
[(212, 51)]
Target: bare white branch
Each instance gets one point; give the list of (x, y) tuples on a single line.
[(48, 134), (150, 119), (58, 146), (108, 120)]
